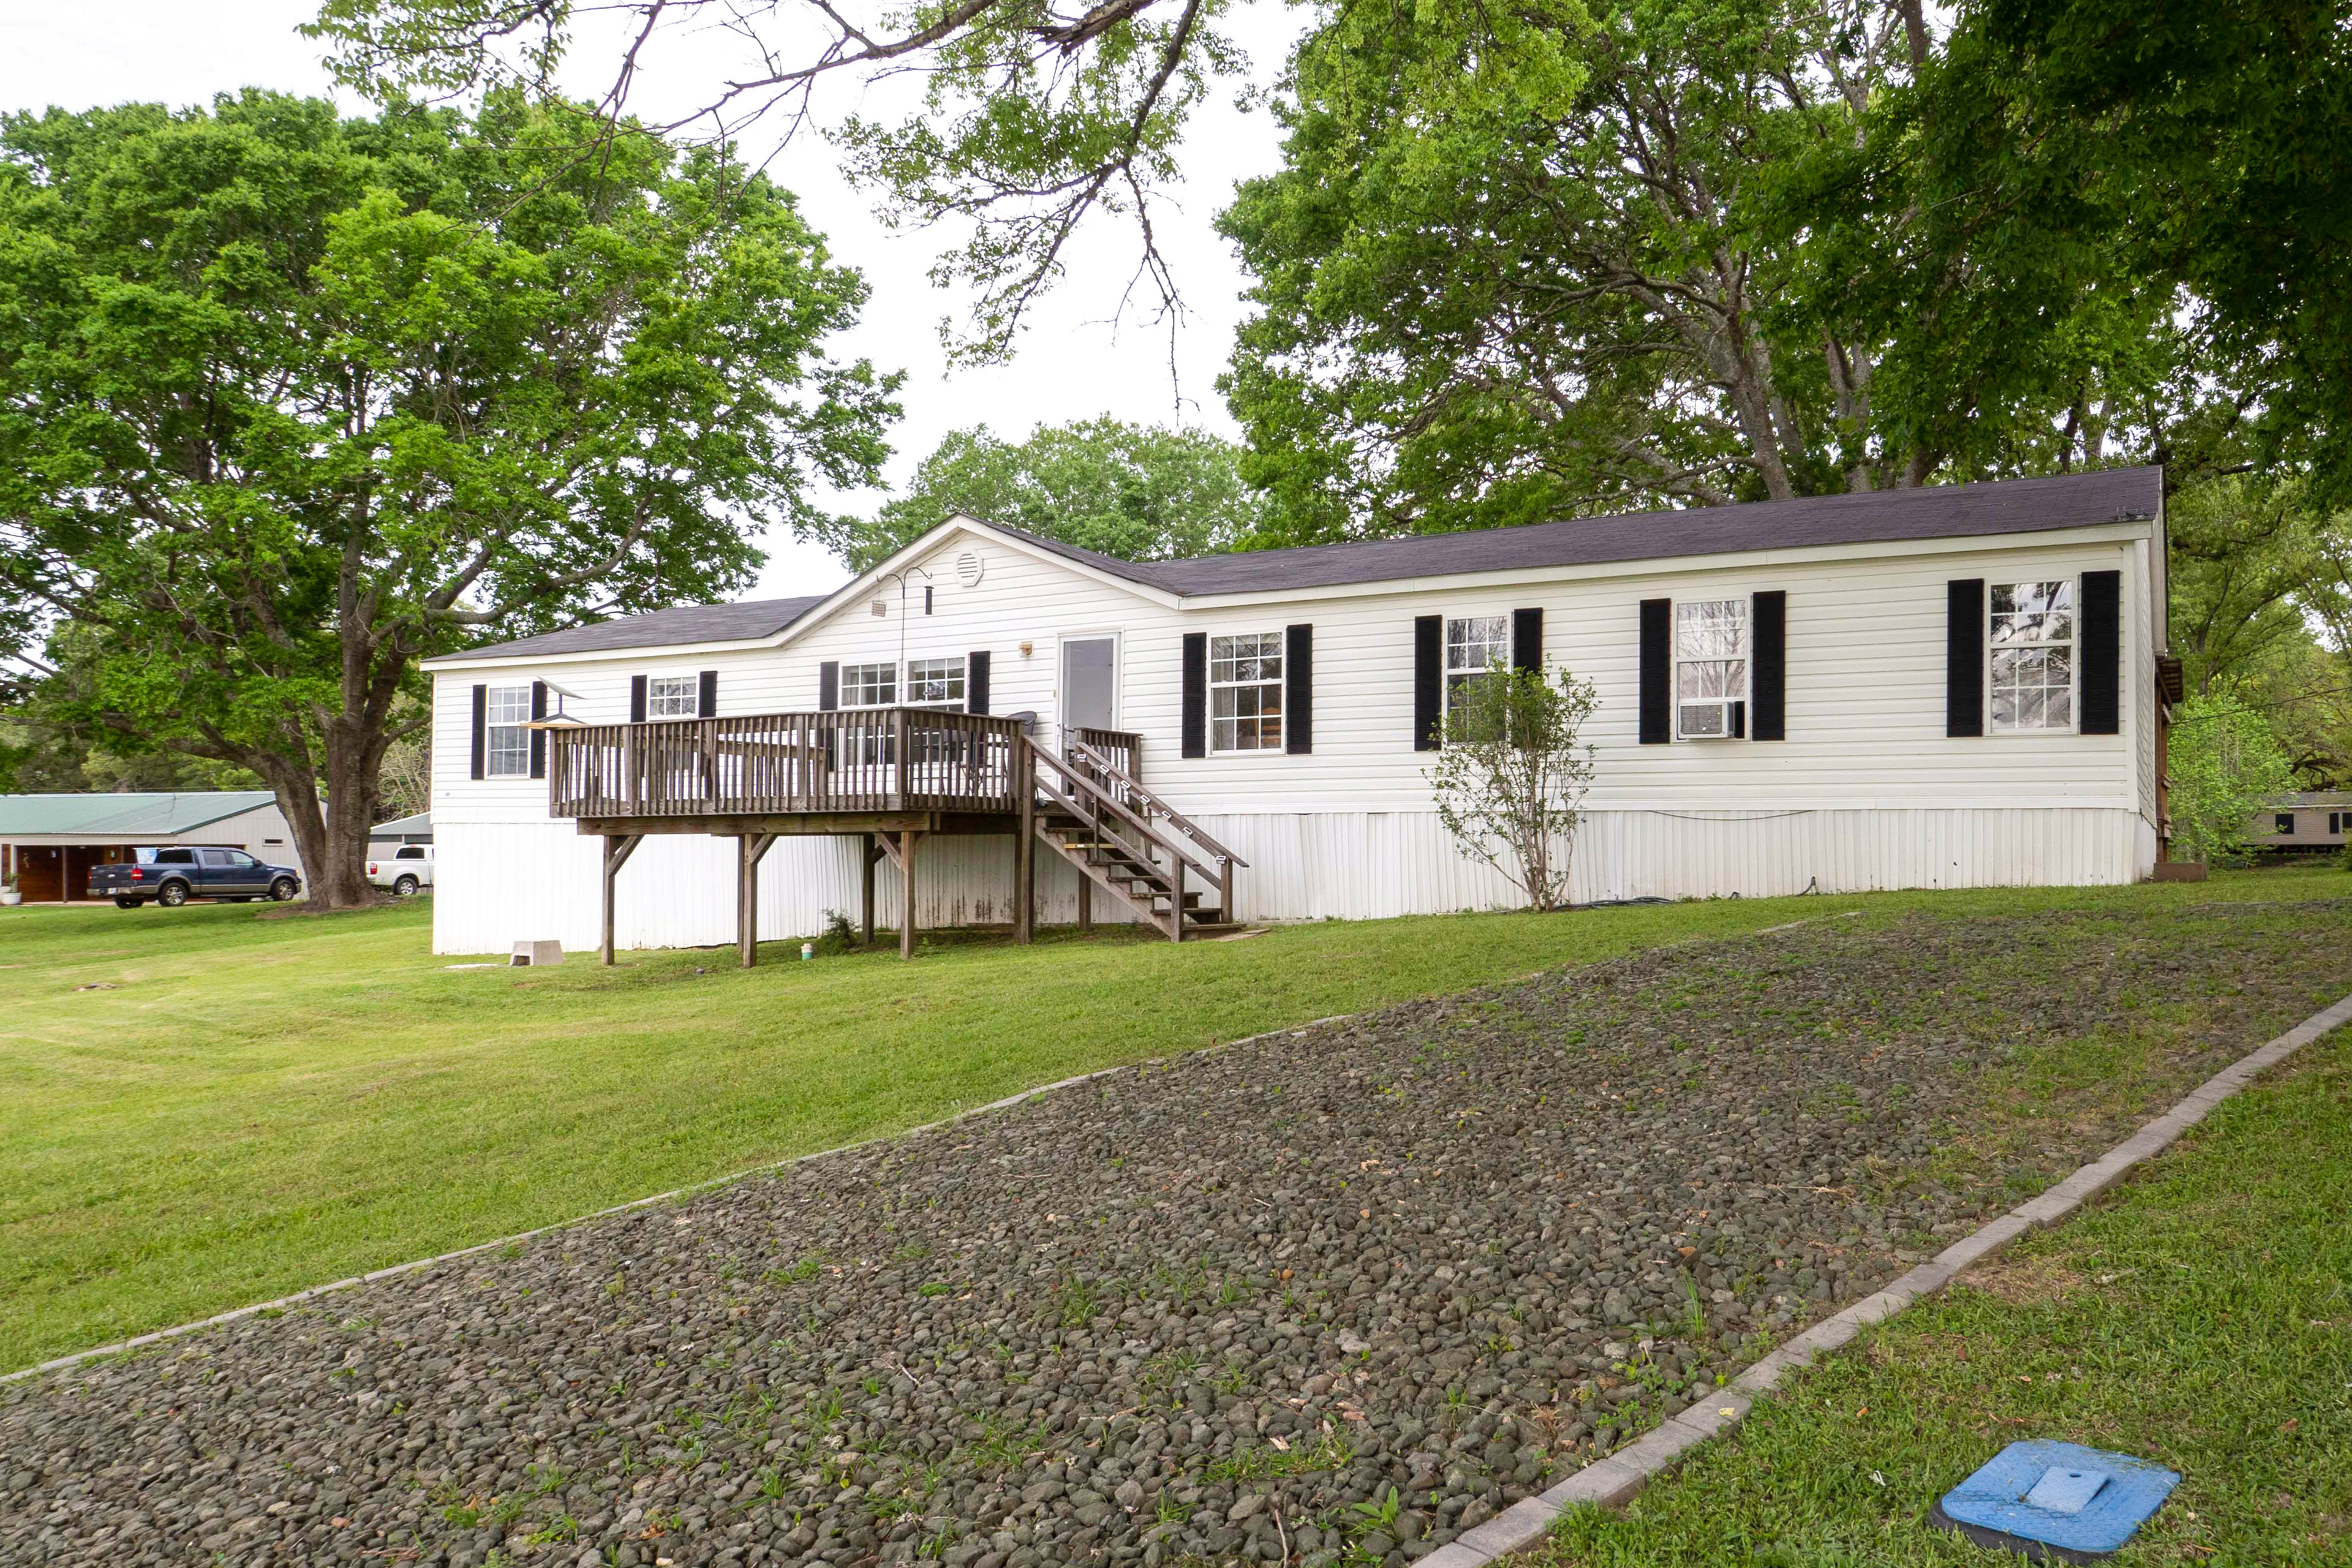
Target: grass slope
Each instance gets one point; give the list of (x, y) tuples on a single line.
[(2202, 1318), (263, 1103)]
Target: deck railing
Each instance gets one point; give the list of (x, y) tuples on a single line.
[(1124, 751), (853, 760)]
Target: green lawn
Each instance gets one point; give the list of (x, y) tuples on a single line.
[(259, 1103), (2202, 1317)]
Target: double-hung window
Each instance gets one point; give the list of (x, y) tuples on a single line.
[(869, 685), (1473, 644), (2033, 660), (935, 682), (1710, 669), (1246, 692), (507, 710), (672, 696)]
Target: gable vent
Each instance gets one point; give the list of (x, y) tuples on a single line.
[(970, 568)]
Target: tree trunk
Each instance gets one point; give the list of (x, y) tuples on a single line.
[(330, 835)]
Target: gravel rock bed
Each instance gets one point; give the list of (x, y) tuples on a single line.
[(1329, 1296)]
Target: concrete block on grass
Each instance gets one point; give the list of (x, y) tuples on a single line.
[(1454, 1554), (1976, 1248), (1604, 1482), (536, 954), (1515, 1529)]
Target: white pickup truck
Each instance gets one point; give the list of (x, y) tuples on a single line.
[(409, 869)]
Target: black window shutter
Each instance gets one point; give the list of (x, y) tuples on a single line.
[(706, 697), (1298, 689), (1964, 637), (1527, 640), (975, 680), (1767, 670), (828, 686), (1657, 671), (636, 700), (1196, 694), (539, 737), (1428, 682), (2103, 652), (481, 728)]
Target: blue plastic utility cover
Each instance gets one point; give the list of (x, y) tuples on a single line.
[(2056, 1500)]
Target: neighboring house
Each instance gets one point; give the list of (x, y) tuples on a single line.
[(1947, 687), (51, 841), (2303, 824), (386, 836)]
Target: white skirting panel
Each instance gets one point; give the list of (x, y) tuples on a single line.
[(1368, 864), (500, 883)]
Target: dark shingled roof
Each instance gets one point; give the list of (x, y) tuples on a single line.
[(1934, 511), (745, 622)]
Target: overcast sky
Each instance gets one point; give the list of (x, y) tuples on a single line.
[(1072, 364)]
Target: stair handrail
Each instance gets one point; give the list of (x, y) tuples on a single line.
[(1096, 795), (1135, 786)]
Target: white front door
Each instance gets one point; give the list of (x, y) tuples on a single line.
[(1090, 683)]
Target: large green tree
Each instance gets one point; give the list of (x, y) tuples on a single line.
[(1140, 492), (2018, 153), (291, 400), (2262, 604), (2207, 148), (1028, 120), (1578, 289)]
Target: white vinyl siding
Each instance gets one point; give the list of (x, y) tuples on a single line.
[(1246, 692), (507, 754)]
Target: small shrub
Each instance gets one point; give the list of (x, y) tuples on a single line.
[(1512, 773), (838, 936)]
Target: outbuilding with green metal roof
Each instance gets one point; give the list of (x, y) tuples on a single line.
[(49, 842)]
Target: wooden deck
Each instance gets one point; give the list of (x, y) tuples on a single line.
[(880, 761), (893, 778)]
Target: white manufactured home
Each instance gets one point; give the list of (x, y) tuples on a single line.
[(1949, 687)]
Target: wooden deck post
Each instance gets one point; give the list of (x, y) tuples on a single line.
[(749, 849), (1086, 901), (1176, 897), (1025, 842), (868, 854), (906, 842), (618, 848)]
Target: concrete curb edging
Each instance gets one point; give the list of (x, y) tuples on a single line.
[(281, 1303), (1613, 1482)]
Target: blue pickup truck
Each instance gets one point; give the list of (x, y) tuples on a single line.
[(171, 876)]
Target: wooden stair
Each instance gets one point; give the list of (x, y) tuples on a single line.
[(1127, 874), (1133, 845)]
